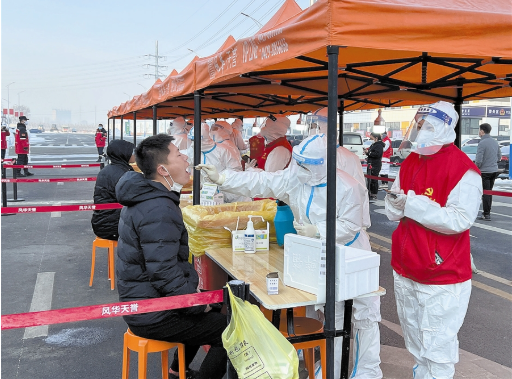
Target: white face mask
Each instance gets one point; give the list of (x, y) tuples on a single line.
[(175, 186)]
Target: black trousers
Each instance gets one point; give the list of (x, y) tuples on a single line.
[(3, 153), (488, 179), (100, 150), (193, 331), (22, 160), (373, 184)]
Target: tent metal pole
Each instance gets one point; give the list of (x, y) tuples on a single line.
[(108, 131), (121, 127), (341, 109), (197, 147), (458, 109), (154, 120), (113, 128), (332, 103), (135, 128)]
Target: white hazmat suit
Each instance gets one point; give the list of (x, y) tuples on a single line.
[(236, 135), (303, 187), (220, 132), (276, 127), (179, 131), (431, 314)]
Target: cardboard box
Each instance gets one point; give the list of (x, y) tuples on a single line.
[(262, 239), (357, 271)]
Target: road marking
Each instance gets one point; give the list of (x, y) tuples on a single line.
[(41, 301), (495, 278), (499, 214), (492, 290), (379, 237), (498, 204), (56, 214), (493, 228)]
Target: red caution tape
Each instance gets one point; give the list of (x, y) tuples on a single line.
[(62, 208), (93, 312), (54, 166), (486, 192), (52, 180)]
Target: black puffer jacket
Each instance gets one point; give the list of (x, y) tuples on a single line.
[(375, 154), (104, 223), (152, 253)]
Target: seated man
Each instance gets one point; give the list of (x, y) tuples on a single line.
[(152, 257), (105, 222)]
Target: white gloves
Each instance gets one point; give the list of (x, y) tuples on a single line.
[(306, 230), (212, 173), (251, 163), (397, 200)]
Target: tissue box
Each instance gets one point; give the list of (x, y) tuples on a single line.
[(262, 238), (357, 271)]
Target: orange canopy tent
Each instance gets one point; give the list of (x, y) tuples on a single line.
[(394, 53)]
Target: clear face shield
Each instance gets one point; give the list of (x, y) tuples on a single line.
[(312, 125), (426, 133)]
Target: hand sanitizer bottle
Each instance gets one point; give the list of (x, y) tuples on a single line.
[(250, 237)]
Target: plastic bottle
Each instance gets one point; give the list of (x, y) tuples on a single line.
[(283, 221), (250, 237)]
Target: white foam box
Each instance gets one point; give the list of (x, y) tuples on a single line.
[(357, 271)]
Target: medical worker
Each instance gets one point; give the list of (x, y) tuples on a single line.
[(179, 130), (437, 198), (303, 187), (236, 136), (222, 157), (386, 157), (278, 151), (220, 132)]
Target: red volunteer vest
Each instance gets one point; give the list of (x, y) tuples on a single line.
[(282, 141), (100, 140), (389, 152), (4, 139), (414, 247), (21, 143)]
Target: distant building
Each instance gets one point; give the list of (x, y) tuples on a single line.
[(61, 116)]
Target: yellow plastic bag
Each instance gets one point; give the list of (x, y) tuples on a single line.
[(255, 347), (205, 223)]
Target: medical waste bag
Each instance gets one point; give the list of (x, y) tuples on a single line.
[(255, 347)]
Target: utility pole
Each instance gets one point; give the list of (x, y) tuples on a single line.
[(156, 65), (8, 106)]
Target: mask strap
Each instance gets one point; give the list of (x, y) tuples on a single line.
[(166, 178)]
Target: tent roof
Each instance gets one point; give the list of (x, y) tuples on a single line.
[(289, 9), (393, 53)]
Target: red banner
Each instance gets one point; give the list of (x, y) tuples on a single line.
[(4, 111), (52, 180), (16, 114), (61, 208), (93, 312), (11, 111), (54, 166)]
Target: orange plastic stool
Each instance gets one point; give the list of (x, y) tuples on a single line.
[(303, 326), (110, 245), (143, 346)]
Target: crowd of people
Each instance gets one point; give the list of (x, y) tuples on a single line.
[(435, 204)]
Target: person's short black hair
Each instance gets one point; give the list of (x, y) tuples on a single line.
[(151, 152), (486, 128), (377, 135)]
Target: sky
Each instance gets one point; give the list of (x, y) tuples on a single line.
[(89, 56)]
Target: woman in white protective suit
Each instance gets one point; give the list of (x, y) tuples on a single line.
[(303, 187), (222, 157), (436, 199), (220, 132), (179, 131), (236, 136)]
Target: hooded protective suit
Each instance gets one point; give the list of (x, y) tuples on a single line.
[(274, 129), (179, 131), (220, 132), (222, 157), (436, 205), (236, 135), (303, 187)]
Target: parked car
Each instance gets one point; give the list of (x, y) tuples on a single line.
[(73, 130), (35, 131), (470, 151), (504, 164), (295, 139), (395, 144), (471, 141), (504, 143), (354, 143)]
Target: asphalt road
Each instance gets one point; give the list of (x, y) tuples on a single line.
[(34, 244)]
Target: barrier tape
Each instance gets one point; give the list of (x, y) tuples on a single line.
[(62, 208), (52, 180), (486, 192), (101, 311), (54, 166)]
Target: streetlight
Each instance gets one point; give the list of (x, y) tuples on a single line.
[(193, 51), (256, 21), (8, 109), (142, 86), (129, 97)]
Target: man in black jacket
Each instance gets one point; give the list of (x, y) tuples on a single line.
[(153, 252), (374, 163), (105, 222)]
